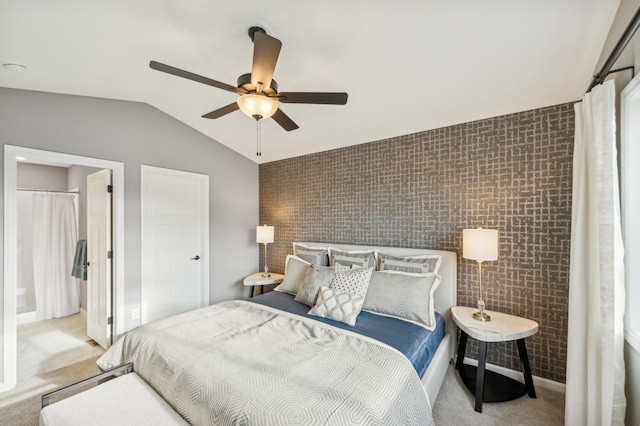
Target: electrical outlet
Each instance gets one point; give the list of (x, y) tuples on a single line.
[(135, 314)]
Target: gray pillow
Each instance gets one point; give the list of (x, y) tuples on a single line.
[(314, 278), (314, 255), (416, 264), (403, 295), (295, 269), (362, 258)]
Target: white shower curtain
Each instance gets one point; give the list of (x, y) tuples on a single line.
[(595, 363), (55, 235)]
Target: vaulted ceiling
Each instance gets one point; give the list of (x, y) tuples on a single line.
[(407, 65)]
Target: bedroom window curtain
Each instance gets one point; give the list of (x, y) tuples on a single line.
[(55, 235), (595, 363)]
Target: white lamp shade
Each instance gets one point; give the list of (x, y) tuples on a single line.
[(264, 234), (480, 244), (257, 105)]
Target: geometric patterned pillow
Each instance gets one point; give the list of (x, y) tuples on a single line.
[(338, 306), (416, 264), (403, 295), (315, 255), (363, 258), (353, 281), (314, 278)]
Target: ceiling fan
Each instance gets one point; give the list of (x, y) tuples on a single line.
[(258, 91)]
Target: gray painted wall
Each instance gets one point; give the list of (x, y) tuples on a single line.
[(38, 176), (136, 134)]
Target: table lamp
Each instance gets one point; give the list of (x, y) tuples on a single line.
[(264, 235), (480, 245)]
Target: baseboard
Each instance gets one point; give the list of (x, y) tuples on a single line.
[(517, 375), (83, 313)]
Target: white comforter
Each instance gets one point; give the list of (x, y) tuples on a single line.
[(240, 363)]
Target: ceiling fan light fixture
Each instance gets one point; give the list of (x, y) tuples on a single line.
[(253, 105)]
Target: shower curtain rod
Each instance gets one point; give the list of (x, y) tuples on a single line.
[(48, 190), (617, 51)]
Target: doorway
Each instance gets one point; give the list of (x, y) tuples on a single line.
[(12, 156)]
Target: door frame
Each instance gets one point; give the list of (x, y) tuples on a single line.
[(144, 169), (9, 359)]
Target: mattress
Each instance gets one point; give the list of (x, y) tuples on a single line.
[(417, 343)]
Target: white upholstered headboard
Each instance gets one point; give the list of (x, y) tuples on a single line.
[(446, 294)]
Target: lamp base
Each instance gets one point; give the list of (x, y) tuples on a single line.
[(481, 316), (265, 275)]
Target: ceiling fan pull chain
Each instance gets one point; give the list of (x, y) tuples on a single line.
[(259, 139)]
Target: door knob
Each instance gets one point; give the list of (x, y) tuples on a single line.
[(196, 258)]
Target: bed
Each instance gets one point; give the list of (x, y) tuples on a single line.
[(267, 361)]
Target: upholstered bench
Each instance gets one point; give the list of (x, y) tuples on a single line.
[(124, 400)]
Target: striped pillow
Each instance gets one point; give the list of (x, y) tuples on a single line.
[(415, 264)]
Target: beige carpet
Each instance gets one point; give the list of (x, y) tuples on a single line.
[(21, 405), (454, 406)]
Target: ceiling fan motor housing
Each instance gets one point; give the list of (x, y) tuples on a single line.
[(244, 82)]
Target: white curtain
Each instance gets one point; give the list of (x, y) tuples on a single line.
[(55, 235), (595, 363)]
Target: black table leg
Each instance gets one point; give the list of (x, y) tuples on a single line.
[(482, 360), (251, 291), (524, 358), (462, 347)]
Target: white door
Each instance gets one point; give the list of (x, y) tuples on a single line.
[(175, 242), (99, 257)]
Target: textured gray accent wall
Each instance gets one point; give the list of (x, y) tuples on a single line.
[(512, 173)]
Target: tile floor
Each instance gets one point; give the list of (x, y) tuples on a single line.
[(44, 346)]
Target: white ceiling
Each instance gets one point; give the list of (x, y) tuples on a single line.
[(408, 65)]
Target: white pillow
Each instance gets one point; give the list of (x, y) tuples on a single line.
[(403, 295), (354, 281), (338, 306), (294, 270)]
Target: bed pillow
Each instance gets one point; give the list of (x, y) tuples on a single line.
[(416, 264), (338, 306), (403, 295), (353, 281), (363, 258), (314, 278), (294, 270), (314, 255)]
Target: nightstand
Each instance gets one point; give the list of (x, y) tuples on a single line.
[(258, 279), (489, 386)]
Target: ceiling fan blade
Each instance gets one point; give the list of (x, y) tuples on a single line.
[(283, 120), (222, 111), (313, 98), (266, 50), (195, 77)]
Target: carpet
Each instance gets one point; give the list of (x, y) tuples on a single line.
[(454, 406), (21, 405)]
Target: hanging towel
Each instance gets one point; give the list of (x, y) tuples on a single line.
[(79, 269)]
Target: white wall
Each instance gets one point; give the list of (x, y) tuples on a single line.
[(135, 134)]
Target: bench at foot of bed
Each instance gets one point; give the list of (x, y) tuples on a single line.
[(125, 400)]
